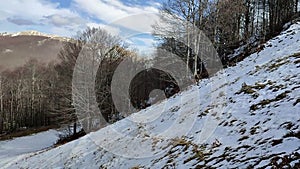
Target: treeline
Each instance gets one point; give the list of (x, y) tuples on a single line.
[(39, 94), (26, 96), (228, 24)]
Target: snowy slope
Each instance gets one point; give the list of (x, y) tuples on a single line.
[(9, 149), (245, 116)]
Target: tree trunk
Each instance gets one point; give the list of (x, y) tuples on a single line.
[(74, 128), (1, 106)]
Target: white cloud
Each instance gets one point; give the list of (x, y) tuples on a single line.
[(38, 14), (145, 40), (110, 11), (142, 22), (49, 17), (110, 29), (119, 18), (138, 18), (128, 21), (144, 44), (33, 9), (63, 31), (59, 20)]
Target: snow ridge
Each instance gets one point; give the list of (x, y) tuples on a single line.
[(35, 33)]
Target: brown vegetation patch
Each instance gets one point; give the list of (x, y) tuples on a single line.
[(265, 102)]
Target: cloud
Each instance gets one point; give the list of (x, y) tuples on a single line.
[(128, 19), (33, 10), (100, 9), (59, 21), (147, 41), (110, 29), (142, 22), (40, 15), (109, 11), (53, 18), (20, 21), (143, 44)]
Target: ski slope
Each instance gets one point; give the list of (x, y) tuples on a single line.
[(244, 116)]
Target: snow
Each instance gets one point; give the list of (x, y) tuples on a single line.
[(32, 33), (35, 33), (7, 51), (9, 149), (218, 124)]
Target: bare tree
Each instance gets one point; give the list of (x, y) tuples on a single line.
[(1, 102), (228, 23), (185, 19), (97, 54)]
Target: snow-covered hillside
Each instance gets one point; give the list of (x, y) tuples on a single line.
[(9, 149), (247, 116)]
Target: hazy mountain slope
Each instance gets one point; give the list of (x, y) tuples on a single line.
[(17, 49), (254, 105)]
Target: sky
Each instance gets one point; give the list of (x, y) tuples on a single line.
[(67, 17)]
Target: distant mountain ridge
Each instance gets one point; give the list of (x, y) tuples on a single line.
[(18, 48), (35, 33)]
